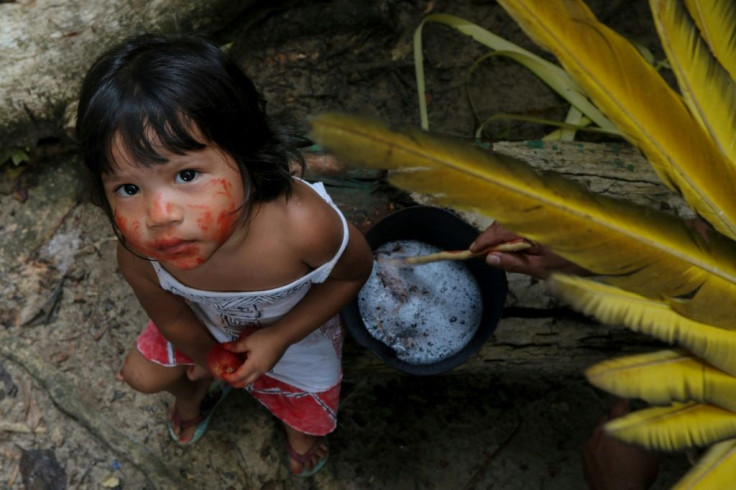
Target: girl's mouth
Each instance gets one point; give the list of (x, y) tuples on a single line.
[(174, 246)]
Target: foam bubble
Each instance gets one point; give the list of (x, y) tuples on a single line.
[(424, 313)]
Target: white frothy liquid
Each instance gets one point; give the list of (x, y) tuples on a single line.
[(425, 313)]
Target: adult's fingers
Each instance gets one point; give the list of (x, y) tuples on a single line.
[(493, 235)]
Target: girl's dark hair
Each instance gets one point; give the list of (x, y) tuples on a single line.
[(155, 91)]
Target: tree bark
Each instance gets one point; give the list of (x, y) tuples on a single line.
[(46, 47), (613, 169)]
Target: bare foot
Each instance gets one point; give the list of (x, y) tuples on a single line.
[(302, 444)]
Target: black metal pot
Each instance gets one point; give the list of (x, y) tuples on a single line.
[(443, 229)]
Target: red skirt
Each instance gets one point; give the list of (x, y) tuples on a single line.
[(310, 413)]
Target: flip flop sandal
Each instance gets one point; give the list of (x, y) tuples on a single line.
[(306, 457), (217, 392)]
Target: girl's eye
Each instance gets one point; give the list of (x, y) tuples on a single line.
[(127, 190), (186, 176)]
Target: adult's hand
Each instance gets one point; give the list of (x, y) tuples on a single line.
[(537, 261), (609, 464)]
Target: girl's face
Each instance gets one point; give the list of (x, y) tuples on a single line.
[(179, 212)]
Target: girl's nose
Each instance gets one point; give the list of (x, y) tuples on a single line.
[(163, 211)]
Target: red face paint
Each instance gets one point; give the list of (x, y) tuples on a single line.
[(226, 187), (225, 223), (181, 224), (205, 221), (130, 230)]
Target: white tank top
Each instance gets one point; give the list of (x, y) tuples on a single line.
[(313, 363)]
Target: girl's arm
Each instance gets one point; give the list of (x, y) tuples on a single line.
[(323, 301), (170, 313)]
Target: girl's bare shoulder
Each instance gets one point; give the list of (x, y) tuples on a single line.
[(312, 225)]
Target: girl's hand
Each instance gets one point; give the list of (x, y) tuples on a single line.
[(262, 348), (537, 261)]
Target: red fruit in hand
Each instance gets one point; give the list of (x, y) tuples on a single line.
[(222, 362)]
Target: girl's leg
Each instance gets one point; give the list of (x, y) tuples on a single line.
[(302, 443), (303, 415), (149, 377)]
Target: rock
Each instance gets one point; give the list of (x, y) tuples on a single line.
[(41, 470), (47, 47), (9, 388)]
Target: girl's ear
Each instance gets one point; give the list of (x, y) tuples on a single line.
[(247, 185)]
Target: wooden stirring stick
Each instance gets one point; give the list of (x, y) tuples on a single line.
[(512, 246)]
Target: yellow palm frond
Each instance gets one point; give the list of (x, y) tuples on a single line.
[(665, 376), (612, 305), (636, 248), (699, 74), (716, 20), (656, 276), (715, 469), (676, 427), (635, 97)]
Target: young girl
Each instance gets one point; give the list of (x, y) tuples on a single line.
[(216, 238)]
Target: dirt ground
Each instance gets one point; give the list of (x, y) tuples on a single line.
[(68, 318)]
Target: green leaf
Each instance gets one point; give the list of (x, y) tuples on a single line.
[(551, 74), (18, 156), (14, 155)]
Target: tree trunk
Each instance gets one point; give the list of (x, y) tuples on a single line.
[(46, 47)]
